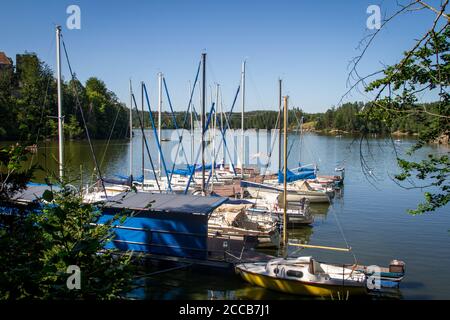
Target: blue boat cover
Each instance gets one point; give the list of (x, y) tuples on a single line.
[(181, 172), (291, 177), (189, 169), (199, 167)]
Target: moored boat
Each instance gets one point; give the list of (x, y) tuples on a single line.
[(231, 220), (272, 212), (304, 276), (295, 191)]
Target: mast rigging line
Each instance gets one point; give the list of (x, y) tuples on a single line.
[(292, 143), (77, 100), (223, 140), (224, 129), (40, 123), (194, 165), (341, 230), (186, 116), (180, 139), (110, 135), (42, 113), (269, 156), (157, 137), (145, 142)]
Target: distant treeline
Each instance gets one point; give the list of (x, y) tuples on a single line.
[(28, 104), (28, 110), (355, 117), (253, 119), (349, 117)]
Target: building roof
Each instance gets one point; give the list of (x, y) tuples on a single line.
[(157, 202), (4, 59)]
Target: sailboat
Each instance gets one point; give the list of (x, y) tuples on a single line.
[(302, 275), (270, 211), (296, 191), (231, 220)]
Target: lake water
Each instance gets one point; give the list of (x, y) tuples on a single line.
[(373, 216)]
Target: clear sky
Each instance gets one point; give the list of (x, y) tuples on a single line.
[(307, 43)]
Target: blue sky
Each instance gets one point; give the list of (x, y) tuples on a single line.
[(307, 43)]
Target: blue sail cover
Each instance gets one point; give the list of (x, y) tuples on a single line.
[(127, 178), (188, 171), (305, 168), (199, 167), (291, 177), (181, 172)]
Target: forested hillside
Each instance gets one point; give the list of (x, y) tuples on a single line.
[(28, 104)]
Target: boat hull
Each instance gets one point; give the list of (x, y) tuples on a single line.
[(301, 288), (292, 196)]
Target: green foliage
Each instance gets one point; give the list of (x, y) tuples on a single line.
[(13, 177), (38, 244), (435, 169), (72, 128), (70, 238), (28, 104), (63, 234), (425, 68)]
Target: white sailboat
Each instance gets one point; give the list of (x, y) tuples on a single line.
[(302, 275)]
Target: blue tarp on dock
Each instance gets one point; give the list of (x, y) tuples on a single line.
[(164, 224)]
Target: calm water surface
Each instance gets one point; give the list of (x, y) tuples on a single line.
[(373, 217)]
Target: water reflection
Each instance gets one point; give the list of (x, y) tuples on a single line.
[(373, 219)]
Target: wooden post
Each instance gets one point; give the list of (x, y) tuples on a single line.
[(285, 238)]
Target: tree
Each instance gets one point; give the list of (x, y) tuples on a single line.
[(39, 243), (424, 68), (28, 104)]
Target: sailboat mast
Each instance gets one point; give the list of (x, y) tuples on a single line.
[(131, 129), (213, 162), (301, 140), (203, 120), (284, 174), (279, 121), (221, 128), (242, 119), (143, 132), (160, 77), (192, 124), (60, 115)]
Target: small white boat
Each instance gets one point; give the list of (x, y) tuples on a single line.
[(96, 193), (305, 276), (272, 212), (296, 191), (231, 220)]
